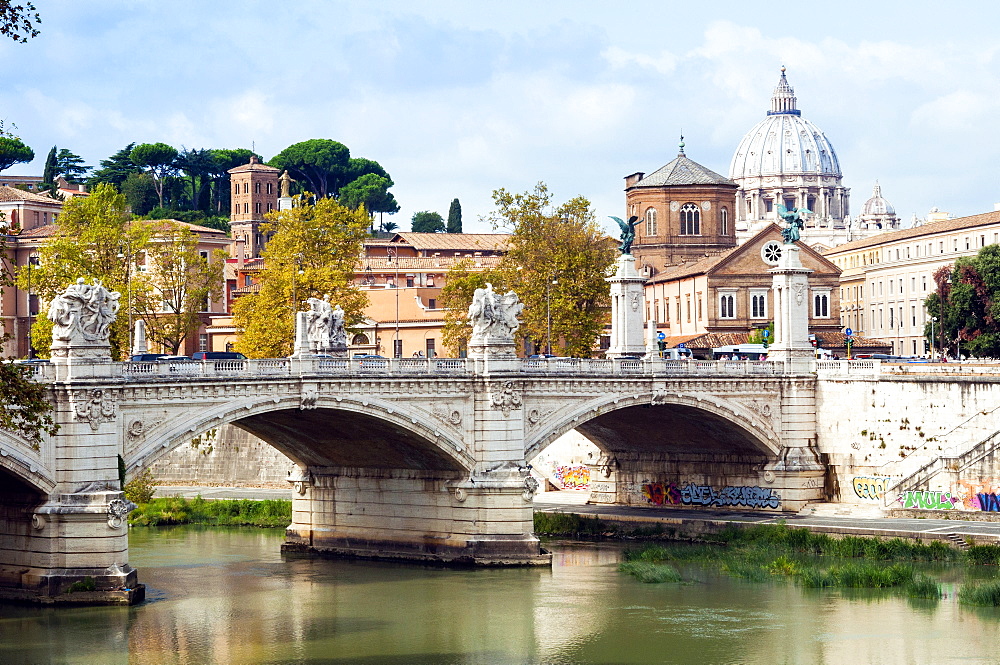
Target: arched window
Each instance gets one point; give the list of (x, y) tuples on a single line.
[(690, 220), (821, 306), (256, 188), (269, 188), (360, 340), (724, 222), (727, 306), (650, 221), (758, 304)]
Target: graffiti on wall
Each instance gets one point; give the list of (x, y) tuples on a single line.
[(978, 494), (870, 488), (572, 477), (742, 495), (661, 494), (929, 500), (669, 494), (989, 503)]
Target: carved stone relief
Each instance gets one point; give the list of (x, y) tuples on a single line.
[(98, 406), (504, 396)]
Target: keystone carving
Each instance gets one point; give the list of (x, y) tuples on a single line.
[(99, 407), (504, 396), (308, 398)]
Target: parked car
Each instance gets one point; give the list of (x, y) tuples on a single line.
[(217, 355), (147, 357)]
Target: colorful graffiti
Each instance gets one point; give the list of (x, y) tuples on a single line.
[(974, 492), (746, 496), (931, 500), (661, 494), (989, 503), (572, 477), (870, 488)]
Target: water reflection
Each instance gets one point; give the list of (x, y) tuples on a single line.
[(228, 596)]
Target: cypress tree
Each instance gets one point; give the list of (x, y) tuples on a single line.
[(454, 217), (49, 173)]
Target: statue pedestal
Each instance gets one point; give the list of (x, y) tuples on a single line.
[(628, 309), (790, 284)]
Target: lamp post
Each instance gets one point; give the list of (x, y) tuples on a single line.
[(394, 260), (126, 256), (933, 321), (32, 261), (548, 313)]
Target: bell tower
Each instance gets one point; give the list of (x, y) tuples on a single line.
[(254, 188)]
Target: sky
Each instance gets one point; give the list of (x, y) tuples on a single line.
[(457, 99)]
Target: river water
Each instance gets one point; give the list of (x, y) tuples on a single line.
[(228, 596)]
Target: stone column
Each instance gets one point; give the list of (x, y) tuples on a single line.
[(627, 309), (790, 283), (139, 338)]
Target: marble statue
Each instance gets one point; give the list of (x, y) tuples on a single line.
[(494, 315), (83, 313), (285, 184), (319, 325), (338, 336)]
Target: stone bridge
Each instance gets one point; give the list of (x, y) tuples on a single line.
[(423, 459)]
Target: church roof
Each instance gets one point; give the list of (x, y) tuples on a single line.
[(877, 205), (683, 171), (784, 143)]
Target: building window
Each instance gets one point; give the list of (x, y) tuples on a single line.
[(430, 347), (256, 188), (758, 305), (409, 281), (724, 219), (689, 309), (727, 306), (432, 303), (690, 220), (257, 209), (203, 342), (269, 187), (699, 307), (821, 305), (768, 205), (246, 208), (650, 221), (246, 188), (397, 348), (360, 340)]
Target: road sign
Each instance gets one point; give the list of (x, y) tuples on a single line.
[(682, 345), (765, 333), (660, 336), (848, 332)]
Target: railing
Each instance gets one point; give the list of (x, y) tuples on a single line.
[(374, 366)]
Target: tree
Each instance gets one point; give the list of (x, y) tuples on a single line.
[(140, 192), (370, 191), (18, 21), (50, 171), (95, 238), (454, 217), (176, 285), (24, 405), (158, 158), (564, 245), (12, 149), (311, 254), (427, 222), (115, 169), (71, 166), (967, 304), (323, 164)]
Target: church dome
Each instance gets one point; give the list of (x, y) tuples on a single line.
[(876, 205), (784, 143)]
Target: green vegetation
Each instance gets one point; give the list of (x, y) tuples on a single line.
[(140, 489), (984, 595), (563, 525), (224, 512), (86, 584), (650, 573)]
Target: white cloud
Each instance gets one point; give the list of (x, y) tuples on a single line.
[(664, 62)]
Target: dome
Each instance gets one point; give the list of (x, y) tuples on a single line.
[(784, 143), (877, 205)]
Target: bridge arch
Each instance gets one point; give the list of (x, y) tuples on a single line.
[(21, 460), (305, 429), (680, 416)]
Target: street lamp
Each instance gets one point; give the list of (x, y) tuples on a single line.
[(32, 261), (548, 314), (127, 257), (933, 321), (397, 350)]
